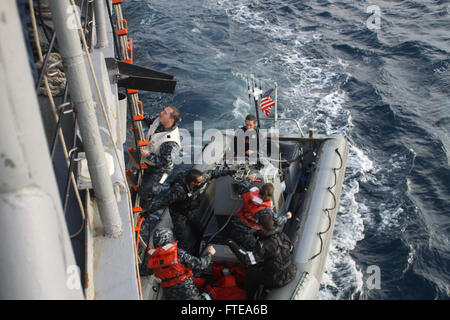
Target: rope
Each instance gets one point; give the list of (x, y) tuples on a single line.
[(58, 79), (217, 232), (60, 133)]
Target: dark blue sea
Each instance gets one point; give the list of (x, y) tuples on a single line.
[(377, 72)]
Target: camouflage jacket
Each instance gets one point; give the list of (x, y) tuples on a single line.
[(187, 290), (182, 199), (194, 263), (167, 152)]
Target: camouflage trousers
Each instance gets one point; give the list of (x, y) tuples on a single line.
[(150, 185), (185, 290), (186, 230)]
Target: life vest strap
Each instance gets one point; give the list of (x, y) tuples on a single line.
[(186, 274)]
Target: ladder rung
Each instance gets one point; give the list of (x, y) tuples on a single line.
[(137, 209), (131, 153), (141, 142), (139, 116), (124, 30)]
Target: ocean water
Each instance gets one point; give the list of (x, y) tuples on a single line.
[(377, 72)]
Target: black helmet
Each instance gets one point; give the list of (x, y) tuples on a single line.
[(162, 237)]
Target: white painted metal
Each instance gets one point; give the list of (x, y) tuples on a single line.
[(81, 96), (36, 257), (100, 23)]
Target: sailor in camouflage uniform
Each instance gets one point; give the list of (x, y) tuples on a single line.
[(244, 224), (176, 274), (164, 145), (183, 200)]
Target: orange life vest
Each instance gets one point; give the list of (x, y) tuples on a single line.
[(225, 285), (252, 204), (227, 289), (166, 266)]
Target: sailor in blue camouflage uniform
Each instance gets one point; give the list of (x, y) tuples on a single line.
[(244, 224), (164, 145), (176, 277), (183, 200)]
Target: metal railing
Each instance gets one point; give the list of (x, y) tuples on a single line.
[(287, 119)]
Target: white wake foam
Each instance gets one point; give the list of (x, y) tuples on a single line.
[(313, 96)]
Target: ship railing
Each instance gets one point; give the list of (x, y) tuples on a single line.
[(288, 119)]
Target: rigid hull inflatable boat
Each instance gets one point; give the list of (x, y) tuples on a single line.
[(307, 176)]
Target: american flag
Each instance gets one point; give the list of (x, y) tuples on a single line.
[(267, 102)]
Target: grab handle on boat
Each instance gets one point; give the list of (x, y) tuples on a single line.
[(327, 210), (288, 119)]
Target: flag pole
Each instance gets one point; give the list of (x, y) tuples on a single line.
[(276, 122), (257, 113), (276, 107)]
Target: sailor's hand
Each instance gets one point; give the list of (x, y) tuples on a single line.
[(252, 177), (211, 250), (145, 153), (289, 214)]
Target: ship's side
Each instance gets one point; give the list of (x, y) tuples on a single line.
[(36, 253), (65, 200)]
